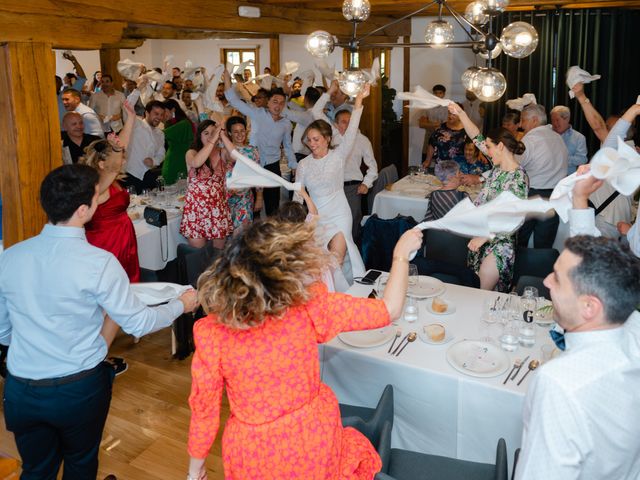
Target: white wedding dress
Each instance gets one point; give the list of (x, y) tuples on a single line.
[(324, 180)]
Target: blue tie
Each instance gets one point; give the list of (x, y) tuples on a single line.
[(558, 339)]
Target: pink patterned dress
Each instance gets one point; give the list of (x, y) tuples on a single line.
[(284, 423), (206, 211)]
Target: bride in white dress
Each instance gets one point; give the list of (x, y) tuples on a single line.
[(322, 173)]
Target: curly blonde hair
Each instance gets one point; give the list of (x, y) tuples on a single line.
[(98, 151), (264, 269)]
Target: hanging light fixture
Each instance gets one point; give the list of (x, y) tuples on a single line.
[(517, 40)]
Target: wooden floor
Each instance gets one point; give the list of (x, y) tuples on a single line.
[(149, 415)]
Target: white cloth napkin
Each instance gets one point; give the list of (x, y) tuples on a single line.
[(420, 98), (189, 70), (155, 293), (209, 100), (521, 102), (576, 75), (154, 76), (247, 173), (327, 71), (290, 68), (307, 80), (373, 74), (129, 69), (504, 214), (621, 168)]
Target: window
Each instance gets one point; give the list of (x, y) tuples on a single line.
[(236, 56)]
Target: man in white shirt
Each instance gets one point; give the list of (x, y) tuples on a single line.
[(71, 99), (582, 409), (545, 161), (146, 147), (107, 103)]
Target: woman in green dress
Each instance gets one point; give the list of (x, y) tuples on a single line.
[(178, 134), (493, 259)]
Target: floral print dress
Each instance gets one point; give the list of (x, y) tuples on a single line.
[(241, 201), (448, 144), (501, 246)]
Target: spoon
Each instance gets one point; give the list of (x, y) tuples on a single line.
[(411, 338), (516, 364), (398, 333), (533, 364)]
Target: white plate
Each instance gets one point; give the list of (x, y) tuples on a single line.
[(451, 308), (448, 336), (368, 338), (429, 287), (478, 359), (153, 293)]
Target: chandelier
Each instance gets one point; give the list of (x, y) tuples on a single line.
[(518, 40)]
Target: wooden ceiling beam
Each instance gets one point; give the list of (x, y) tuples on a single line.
[(171, 33)]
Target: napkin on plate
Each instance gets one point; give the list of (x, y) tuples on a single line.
[(246, 173), (154, 293), (576, 75), (420, 98)]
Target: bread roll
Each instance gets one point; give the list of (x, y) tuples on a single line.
[(438, 305), (435, 332)]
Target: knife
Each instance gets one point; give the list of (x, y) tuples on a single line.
[(519, 368)]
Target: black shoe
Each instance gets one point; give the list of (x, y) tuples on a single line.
[(118, 364), (110, 477)]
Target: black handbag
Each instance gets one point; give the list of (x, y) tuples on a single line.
[(155, 216)]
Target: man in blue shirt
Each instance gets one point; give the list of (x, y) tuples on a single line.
[(269, 131), (54, 291), (574, 140)]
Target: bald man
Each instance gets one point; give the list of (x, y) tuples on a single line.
[(72, 101), (73, 136)]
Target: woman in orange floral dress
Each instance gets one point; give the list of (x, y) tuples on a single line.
[(266, 315)]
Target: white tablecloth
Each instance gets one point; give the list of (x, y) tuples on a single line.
[(158, 246), (438, 410)]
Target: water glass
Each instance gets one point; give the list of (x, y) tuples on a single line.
[(530, 292), (546, 352), (160, 183), (509, 337), (414, 278), (411, 310)]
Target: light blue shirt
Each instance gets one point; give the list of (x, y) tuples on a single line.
[(54, 290), (266, 133), (80, 81), (577, 147)]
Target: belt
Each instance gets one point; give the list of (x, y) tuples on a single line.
[(352, 182), (52, 382)]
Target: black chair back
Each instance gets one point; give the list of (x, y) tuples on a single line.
[(535, 262), (379, 237), (446, 247)]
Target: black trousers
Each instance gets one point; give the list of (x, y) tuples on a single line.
[(57, 421), (544, 231), (271, 196)]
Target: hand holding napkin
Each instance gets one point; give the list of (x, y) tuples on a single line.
[(246, 173), (576, 75), (420, 98), (521, 102)]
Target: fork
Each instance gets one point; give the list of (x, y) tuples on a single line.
[(401, 342), (398, 333)]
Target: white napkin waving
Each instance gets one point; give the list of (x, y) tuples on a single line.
[(307, 80), (154, 76), (373, 74), (247, 173), (155, 293), (521, 102), (129, 69), (209, 100), (290, 68), (576, 75), (326, 70), (621, 168), (420, 98), (189, 70)]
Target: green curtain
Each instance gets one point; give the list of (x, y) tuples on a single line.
[(600, 41)]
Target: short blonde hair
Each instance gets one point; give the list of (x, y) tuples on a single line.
[(98, 151), (266, 268)]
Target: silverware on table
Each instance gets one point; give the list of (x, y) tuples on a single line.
[(400, 344), (533, 364), (495, 304), (411, 338), (516, 364), (398, 333), (515, 374)]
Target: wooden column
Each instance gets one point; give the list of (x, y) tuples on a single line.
[(29, 135), (274, 55), (109, 58), (406, 85), (371, 121)]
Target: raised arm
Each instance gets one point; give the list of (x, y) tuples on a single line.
[(195, 159), (127, 130), (594, 119), (234, 98), (352, 130), (472, 130)]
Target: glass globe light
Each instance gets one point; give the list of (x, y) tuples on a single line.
[(439, 33), (489, 84), (352, 82), (519, 39), (494, 53), (320, 43), (356, 10), (475, 13), (496, 6), (468, 78)]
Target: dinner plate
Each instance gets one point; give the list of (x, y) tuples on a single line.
[(448, 336), (368, 338), (428, 287), (153, 293), (451, 308), (411, 191), (478, 359)]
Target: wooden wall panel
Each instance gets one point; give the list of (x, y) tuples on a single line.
[(274, 55), (29, 135), (109, 58)]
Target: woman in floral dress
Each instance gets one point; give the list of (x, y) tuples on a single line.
[(493, 259), (241, 201), (206, 214), (446, 143), (267, 313)]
